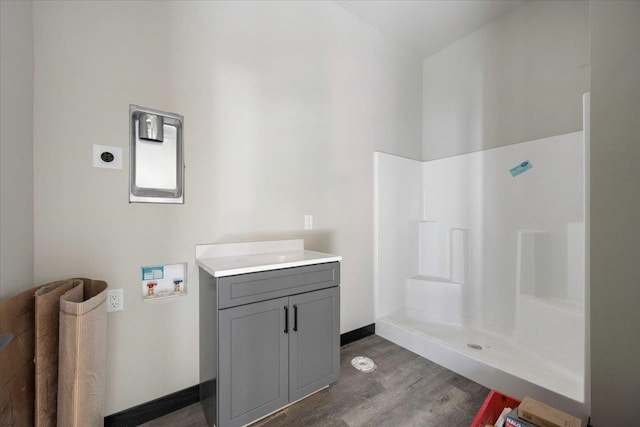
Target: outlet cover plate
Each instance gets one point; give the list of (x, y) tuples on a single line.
[(308, 222), (115, 300), (107, 157)]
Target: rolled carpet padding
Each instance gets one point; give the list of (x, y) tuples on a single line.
[(47, 315), (82, 355)]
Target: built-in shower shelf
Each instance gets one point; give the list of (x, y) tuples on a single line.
[(562, 305), (427, 279)]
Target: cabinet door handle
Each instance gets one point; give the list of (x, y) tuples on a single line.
[(295, 318), (286, 319)]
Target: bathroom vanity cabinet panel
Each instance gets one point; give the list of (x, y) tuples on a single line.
[(208, 332), (267, 339), (314, 342), (254, 359), (253, 287)]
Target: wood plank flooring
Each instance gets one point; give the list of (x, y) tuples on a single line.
[(405, 391)]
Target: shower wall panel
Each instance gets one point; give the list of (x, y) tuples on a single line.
[(398, 198), (477, 192)]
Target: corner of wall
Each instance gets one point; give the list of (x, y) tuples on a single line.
[(16, 147)]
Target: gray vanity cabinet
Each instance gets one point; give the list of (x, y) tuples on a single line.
[(274, 338)]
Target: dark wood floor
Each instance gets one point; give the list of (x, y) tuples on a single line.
[(406, 390)]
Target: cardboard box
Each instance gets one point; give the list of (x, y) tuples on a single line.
[(17, 371), (544, 415)]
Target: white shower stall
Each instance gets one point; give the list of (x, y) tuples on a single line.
[(484, 272)]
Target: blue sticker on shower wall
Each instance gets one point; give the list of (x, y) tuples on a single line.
[(522, 167)]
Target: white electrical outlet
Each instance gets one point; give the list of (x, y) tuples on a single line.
[(308, 222), (115, 300), (107, 157)]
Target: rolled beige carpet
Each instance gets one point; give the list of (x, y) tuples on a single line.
[(82, 355)]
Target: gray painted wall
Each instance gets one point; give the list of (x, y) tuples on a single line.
[(615, 210), (16, 147), (517, 79)]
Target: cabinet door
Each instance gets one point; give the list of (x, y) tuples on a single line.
[(253, 361), (314, 342)]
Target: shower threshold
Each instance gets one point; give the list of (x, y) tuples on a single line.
[(490, 359)]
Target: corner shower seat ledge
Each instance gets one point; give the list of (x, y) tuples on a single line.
[(421, 277), (230, 259)]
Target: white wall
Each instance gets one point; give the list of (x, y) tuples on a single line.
[(284, 104), (519, 78), (615, 209), (16, 147)]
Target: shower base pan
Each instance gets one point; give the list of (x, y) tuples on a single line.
[(492, 360)]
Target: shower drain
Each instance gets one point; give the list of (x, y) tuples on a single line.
[(474, 346)]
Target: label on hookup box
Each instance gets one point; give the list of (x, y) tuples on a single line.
[(152, 273)]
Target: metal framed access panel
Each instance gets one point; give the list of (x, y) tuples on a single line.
[(156, 169)]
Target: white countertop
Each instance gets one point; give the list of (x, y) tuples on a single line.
[(229, 259)]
